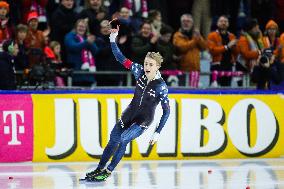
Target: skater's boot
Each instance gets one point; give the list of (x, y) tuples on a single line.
[(94, 173), (101, 176)]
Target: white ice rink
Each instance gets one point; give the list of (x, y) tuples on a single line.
[(221, 174)]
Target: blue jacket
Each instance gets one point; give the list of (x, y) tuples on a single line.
[(74, 50)]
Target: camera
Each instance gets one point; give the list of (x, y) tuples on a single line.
[(266, 56)]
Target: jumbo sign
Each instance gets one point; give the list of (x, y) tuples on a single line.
[(77, 127)]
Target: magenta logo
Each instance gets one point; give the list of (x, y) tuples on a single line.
[(16, 128)]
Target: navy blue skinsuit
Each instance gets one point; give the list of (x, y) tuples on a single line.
[(139, 114)]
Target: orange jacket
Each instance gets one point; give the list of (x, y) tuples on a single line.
[(279, 51), (247, 53), (216, 48), (189, 50)]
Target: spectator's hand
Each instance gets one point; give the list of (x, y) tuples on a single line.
[(4, 23), (154, 138), (122, 39), (196, 34), (154, 38), (272, 59), (91, 39), (232, 43), (26, 71)]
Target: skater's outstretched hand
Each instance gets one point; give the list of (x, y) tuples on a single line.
[(113, 32), (154, 138)]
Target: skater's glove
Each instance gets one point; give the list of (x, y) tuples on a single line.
[(113, 36), (154, 138)]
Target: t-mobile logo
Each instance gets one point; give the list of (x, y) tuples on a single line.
[(13, 129)]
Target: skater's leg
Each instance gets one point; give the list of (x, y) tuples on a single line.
[(112, 145), (128, 135)]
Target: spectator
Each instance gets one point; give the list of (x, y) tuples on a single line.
[(106, 62), (52, 52), (62, 21), (145, 41), (7, 71), (263, 72), (263, 11), (127, 26), (37, 6), (35, 40), (279, 66), (21, 60), (236, 11), (250, 45), (126, 30), (95, 12), (166, 48), (270, 38), (155, 19), (222, 47), (189, 44), (81, 49), (51, 6), (138, 8), (5, 30)]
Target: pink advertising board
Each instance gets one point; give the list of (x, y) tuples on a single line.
[(16, 128)]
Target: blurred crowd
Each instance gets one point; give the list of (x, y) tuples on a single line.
[(48, 40)]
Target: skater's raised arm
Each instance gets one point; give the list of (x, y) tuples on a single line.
[(136, 69)]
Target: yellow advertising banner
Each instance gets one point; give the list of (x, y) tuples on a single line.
[(76, 127)]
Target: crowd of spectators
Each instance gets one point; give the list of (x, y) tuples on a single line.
[(49, 40)]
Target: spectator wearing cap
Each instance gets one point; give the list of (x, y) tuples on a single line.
[(37, 6), (271, 35), (7, 71), (250, 45), (35, 40), (5, 30)]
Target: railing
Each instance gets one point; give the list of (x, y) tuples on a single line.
[(245, 77)]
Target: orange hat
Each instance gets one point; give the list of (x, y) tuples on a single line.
[(271, 24), (282, 38), (4, 4), (32, 15)]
